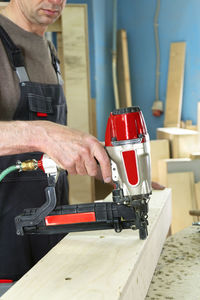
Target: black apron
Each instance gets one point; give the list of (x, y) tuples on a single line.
[(26, 189)]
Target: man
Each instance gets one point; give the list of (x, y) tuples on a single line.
[(31, 103)]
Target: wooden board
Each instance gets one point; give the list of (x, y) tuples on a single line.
[(99, 265), (159, 150), (3, 4), (175, 85), (182, 141), (179, 165), (177, 274), (123, 73), (183, 199), (198, 115), (197, 193), (77, 89)]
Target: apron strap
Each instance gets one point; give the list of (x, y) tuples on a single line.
[(55, 63), (15, 56)]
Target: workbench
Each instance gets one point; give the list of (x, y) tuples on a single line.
[(177, 275), (100, 264)]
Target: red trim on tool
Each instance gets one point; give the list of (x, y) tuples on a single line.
[(130, 163), (124, 127), (40, 163), (6, 280), (70, 219), (39, 114)]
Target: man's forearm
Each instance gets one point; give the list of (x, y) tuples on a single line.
[(18, 137), (73, 150)]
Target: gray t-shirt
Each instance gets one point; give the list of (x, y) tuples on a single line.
[(37, 61)]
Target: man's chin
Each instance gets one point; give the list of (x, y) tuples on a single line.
[(46, 20)]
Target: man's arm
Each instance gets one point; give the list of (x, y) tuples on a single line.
[(71, 149)]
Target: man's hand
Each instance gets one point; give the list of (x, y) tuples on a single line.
[(74, 151), (157, 186)]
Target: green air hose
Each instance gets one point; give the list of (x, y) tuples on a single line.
[(7, 171)]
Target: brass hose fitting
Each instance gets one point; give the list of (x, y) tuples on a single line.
[(29, 165)]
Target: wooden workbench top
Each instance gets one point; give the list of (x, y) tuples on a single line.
[(177, 275), (100, 265)]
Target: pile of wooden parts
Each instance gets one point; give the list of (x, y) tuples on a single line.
[(180, 174), (176, 152)]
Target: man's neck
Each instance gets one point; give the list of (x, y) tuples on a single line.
[(17, 17)]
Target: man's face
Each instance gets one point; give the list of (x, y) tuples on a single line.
[(41, 12)]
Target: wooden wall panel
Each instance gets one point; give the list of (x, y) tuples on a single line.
[(77, 90)]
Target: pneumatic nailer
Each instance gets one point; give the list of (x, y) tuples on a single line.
[(127, 144)]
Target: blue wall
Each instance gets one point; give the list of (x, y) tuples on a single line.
[(179, 20)]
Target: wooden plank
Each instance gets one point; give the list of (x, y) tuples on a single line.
[(183, 199), (197, 193), (55, 27), (179, 165), (198, 115), (60, 53), (3, 4), (94, 119), (77, 89), (123, 72), (168, 166), (102, 189), (189, 125), (175, 85), (162, 171), (195, 155), (159, 150), (182, 141), (99, 265)]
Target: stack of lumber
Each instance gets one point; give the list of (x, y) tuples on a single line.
[(180, 174), (177, 165)]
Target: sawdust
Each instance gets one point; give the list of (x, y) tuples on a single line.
[(177, 273)]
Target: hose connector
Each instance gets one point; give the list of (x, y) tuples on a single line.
[(28, 165)]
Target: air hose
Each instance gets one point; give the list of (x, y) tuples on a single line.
[(28, 165), (46, 164), (7, 171)]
